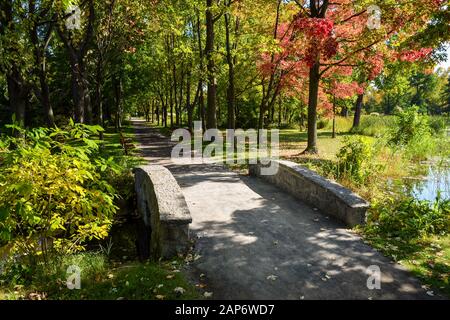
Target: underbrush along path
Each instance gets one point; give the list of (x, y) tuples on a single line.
[(255, 241)]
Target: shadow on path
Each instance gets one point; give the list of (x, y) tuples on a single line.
[(257, 242)]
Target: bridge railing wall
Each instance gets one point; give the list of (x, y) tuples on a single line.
[(308, 186), (163, 230)]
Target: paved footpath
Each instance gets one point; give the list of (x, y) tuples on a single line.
[(257, 242)]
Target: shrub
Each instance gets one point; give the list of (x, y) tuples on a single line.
[(355, 160), (438, 124), (52, 191), (409, 125), (420, 147), (410, 218), (322, 123)]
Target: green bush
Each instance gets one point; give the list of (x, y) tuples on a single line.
[(409, 218), (355, 160), (322, 123), (438, 124), (420, 147), (53, 195), (409, 125)]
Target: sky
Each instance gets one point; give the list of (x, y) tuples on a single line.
[(445, 64)]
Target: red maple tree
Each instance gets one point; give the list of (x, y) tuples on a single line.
[(331, 42)]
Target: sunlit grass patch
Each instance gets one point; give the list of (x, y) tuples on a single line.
[(103, 280)]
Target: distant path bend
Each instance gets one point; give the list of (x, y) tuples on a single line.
[(257, 242)]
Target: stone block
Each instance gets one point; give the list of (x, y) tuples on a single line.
[(308, 186), (163, 211)]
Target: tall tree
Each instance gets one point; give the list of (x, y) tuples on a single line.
[(77, 44), (211, 109)]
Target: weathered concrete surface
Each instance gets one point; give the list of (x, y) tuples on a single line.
[(248, 230), (310, 187), (163, 209)]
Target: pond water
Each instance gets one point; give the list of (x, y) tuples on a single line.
[(436, 179)]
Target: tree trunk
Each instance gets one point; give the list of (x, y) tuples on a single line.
[(179, 119), (211, 120), (262, 111), (171, 106), (153, 111), (314, 79), (231, 95), (98, 97), (175, 85), (118, 101), (40, 67), (80, 84), (157, 113), (334, 119), (358, 109), (279, 111), (17, 95), (17, 89), (45, 99), (188, 101), (165, 113), (267, 93)]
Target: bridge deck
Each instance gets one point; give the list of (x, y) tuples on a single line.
[(257, 242)]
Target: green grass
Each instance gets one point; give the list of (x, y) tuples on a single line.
[(427, 258), (375, 126), (104, 280)]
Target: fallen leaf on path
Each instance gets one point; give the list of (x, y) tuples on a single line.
[(208, 294), (272, 277)]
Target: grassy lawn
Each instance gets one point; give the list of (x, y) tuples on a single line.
[(427, 258), (107, 280)]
